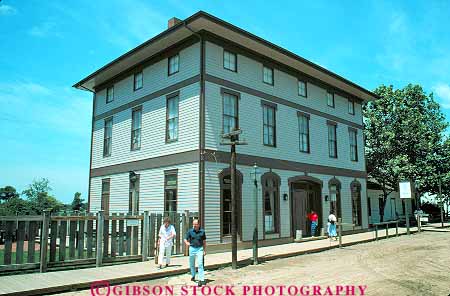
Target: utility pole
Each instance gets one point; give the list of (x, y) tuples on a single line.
[(233, 136), (255, 232)]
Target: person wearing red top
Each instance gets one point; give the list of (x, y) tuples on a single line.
[(314, 218)]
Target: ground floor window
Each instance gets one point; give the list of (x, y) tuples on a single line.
[(271, 202), (356, 203), (225, 201), (335, 197), (106, 184), (170, 191), (133, 199)]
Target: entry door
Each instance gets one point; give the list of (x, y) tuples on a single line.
[(299, 214)]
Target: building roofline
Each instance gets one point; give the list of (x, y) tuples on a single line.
[(234, 28)]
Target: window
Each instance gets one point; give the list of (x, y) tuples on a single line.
[(332, 142), (230, 112), (105, 196), (225, 201), (335, 198), (271, 201), (107, 137), (267, 75), (353, 144), (136, 122), (170, 192), (133, 200), (351, 107), (269, 130), (172, 118), (138, 80), (174, 64), (302, 88), (303, 127), (330, 99), (229, 61), (356, 203), (369, 207), (109, 94)]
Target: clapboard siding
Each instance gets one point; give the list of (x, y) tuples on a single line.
[(393, 204), (287, 130), (155, 77), (151, 195), (153, 131), (250, 74), (212, 200)]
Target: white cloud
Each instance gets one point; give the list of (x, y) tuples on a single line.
[(6, 9), (442, 90), (45, 29)]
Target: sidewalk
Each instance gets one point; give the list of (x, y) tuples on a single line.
[(62, 281)]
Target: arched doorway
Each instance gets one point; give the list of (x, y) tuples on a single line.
[(306, 193), (225, 202)]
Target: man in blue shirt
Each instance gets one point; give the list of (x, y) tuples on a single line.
[(196, 241)]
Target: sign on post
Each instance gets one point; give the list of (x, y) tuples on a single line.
[(405, 189)]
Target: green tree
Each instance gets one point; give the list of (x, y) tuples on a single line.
[(7, 193), (78, 203), (404, 133), (38, 196)]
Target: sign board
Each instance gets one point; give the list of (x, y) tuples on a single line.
[(405, 189), (132, 222)]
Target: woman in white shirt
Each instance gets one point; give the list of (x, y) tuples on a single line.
[(332, 226), (166, 235)]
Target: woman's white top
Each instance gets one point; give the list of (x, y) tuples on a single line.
[(164, 233), (332, 217)]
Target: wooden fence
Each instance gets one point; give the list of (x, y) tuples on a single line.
[(45, 242)]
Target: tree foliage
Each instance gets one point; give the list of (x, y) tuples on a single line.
[(404, 133)]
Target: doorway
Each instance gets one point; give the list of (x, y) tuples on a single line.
[(306, 196)]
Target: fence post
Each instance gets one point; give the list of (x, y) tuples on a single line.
[(99, 245), (145, 236), (396, 228), (44, 240), (376, 232), (387, 230), (185, 230), (340, 232)]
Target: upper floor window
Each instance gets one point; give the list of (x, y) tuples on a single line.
[(110, 94), (353, 144), (302, 88), (330, 99), (230, 112), (303, 127), (269, 128), (172, 118), (136, 122), (138, 80), (174, 64), (351, 107), (267, 75), (229, 61), (107, 137), (332, 141)]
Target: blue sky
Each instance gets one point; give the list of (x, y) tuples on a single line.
[(47, 46)]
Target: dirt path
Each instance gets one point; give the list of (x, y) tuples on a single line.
[(416, 265)]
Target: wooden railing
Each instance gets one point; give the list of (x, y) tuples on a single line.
[(47, 241)]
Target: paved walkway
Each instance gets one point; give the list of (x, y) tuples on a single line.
[(61, 281)]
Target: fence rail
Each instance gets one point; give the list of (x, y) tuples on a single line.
[(48, 241)]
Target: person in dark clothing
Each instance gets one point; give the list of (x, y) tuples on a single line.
[(196, 241)]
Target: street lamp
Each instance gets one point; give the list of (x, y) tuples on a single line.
[(255, 172)]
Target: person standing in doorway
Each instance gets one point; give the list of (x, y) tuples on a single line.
[(196, 241), (314, 218), (332, 226), (166, 235)]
